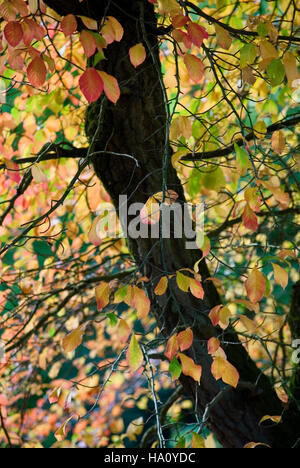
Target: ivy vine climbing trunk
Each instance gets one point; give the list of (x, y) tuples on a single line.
[(138, 126)]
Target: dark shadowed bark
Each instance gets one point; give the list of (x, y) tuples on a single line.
[(138, 126)]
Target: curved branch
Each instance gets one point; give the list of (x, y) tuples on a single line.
[(292, 122)]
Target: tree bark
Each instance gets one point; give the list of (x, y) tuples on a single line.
[(138, 126)]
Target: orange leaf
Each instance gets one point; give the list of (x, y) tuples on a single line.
[(73, 339), (102, 295), (190, 368), (88, 42), (172, 347), (68, 25), (37, 72), (222, 369), (185, 339), (215, 315), (196, 289), (13, 33), (195, 67), (140, 302), (111, 87), (213, 345), (137, 55), (162, 286), (255, 286)]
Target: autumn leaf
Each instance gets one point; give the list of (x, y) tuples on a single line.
[(37, 174), (172, 347), (213, 345), (280, 275), (137, 55), (197, 441), (250, 219), (69, 25), (36, 72), (111, 87), (54, 395), (13, 33), (197, 34), (102, 295), (162, 286), (190, 368), (255, 286), (224, 39), (61, 433), (73, 339), (91, 84), (222, 369), (185, 339), (195, 67), (135, 429), (134, 354), (278, 142), (274, 419), (141, 302)]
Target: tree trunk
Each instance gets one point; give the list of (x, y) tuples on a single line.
[(138, 126)]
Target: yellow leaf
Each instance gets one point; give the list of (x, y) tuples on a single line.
[(222, 369), (223, 37), (255, 286), (198, 441), (291, 68), (169, 7), (61, 433), (137, 55), (102, 295), (275, 419), (183, 281), (135, 429), (37, 174), (253, 445), (280, 275), (260, 129), (134, 354)]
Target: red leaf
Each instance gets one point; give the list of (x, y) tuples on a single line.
[(37, 72), (197, 34), (13, 33), (250, 219), (69, 25), (91, 84), (88, 42)]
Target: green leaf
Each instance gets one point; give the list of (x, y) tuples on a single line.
[(175, 368), (248, 55), (276, 72)]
